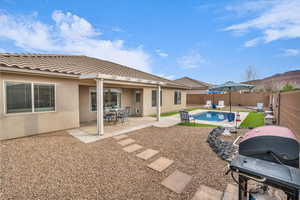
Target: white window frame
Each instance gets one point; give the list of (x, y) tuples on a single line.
[(180, 97), (161, 97), (32, 97), (91, 89), (94, 89)]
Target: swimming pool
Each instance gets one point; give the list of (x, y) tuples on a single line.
[(212, 116)]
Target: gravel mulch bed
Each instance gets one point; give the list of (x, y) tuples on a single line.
[(58, 166)]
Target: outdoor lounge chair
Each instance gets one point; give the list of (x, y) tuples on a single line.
[(260, 107), (220, 104), (186, 117), (208, 104)]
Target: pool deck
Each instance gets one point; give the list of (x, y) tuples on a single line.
[(224, 123)]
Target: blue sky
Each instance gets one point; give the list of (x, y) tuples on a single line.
[(212, 41)]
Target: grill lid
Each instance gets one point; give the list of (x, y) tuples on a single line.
[(271, 143)]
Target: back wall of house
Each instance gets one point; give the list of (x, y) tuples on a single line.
[(66, 115)]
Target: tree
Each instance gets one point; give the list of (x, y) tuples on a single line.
[(250, 73), (287, 87)]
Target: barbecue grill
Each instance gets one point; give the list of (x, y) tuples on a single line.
[(269, 155)]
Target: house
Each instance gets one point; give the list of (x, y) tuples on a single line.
[(42, 93), (195, 86)]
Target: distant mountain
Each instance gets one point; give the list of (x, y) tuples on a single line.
[(277, 81)]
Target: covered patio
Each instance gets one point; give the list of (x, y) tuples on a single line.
[(102, 95)]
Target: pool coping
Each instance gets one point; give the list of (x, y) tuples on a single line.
[(225, 123)]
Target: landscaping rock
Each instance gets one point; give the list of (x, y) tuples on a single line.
[(224, 149)]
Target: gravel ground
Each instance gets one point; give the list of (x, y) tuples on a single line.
[(58, 166)]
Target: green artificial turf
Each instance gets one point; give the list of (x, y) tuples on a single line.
[(254, 119)]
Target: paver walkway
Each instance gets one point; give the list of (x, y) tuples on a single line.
[(126, 142), (119, 137), (149, 153), (132, 148), (231, 192), (160, 164), (177, 181), (207, 193)]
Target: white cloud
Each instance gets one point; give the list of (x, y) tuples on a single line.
[(117, 29), (2, 50), (170, 76), (69, 34), (291, 52), (275, 20), (252, 43), (192, 60), (161, 54)]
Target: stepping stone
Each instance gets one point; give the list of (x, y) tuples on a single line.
[(207, 193), (119, 137), (177, 181), (126, 142), (161, 164), (231, 192), (145, 155), (132, 148)]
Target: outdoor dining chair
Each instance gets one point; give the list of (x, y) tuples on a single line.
[(186, 117)]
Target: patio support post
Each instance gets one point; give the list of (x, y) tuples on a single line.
[(158, 103), (99, 93)]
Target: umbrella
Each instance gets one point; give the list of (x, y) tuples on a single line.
[(231, 86)]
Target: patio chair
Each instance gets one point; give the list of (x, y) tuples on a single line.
[(128, 110), (122, 115), (208, 104), (260, 107), (220, 104), (186, 117), (109, 117)]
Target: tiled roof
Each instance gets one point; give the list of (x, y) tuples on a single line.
[(75, 65), (192, 83)]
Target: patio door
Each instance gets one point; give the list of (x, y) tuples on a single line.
[(112, 97), (138, 102)]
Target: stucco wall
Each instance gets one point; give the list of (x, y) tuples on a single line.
[(86, 115), (167, 101), (23, 124)]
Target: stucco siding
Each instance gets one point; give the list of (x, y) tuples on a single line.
[(23, 124), (167, 101), (86, 115)]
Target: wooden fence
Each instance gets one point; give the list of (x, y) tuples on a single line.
[(237, 99), (286, 107)]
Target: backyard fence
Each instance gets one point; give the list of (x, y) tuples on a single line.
[(286, 107), (237, 99)]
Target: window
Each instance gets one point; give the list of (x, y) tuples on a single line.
[(154, 98), (93, 99), (137, 96), (111, 98), (29, 97), (44, 98), (177, 97), (18, 97)]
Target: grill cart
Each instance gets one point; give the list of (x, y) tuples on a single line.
[(268, 155)]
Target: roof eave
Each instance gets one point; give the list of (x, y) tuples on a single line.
[(120, 78)]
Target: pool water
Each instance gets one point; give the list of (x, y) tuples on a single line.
[(212, 116)]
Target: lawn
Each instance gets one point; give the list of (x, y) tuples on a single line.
[(254, 119), (196, 124)]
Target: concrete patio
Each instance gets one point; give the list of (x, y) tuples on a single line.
[(87, 132)]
